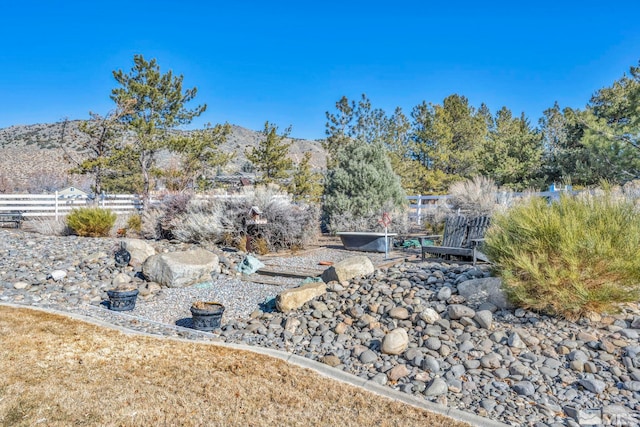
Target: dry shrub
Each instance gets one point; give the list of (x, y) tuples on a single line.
[(241, 243), (476, 196), (260, 246), (158, 222), (220, 220)]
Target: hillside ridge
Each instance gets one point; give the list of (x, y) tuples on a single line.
[(32, 157)]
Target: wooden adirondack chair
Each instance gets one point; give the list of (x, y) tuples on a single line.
[(462, 238)]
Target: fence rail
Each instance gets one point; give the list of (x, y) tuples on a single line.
[(421, 205), (56, 205)]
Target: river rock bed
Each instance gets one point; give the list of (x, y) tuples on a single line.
[(407, 327)]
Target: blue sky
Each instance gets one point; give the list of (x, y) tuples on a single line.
[(289, 62)]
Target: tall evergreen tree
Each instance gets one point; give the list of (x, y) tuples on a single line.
[(362, 184), (565, 159), (612, 122), (512, 152), (158, 105), (271, 156), (448, 139)]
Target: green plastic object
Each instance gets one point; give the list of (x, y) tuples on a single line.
[(414, 243)]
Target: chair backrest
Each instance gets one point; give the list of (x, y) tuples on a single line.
[(455, 231), (477, 228)]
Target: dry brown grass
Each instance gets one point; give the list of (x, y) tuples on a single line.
[(58, 371)]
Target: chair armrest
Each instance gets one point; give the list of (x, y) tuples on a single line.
[(476, 242)]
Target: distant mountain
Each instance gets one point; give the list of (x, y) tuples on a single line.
[(31, 153)]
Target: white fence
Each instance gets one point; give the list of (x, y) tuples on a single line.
[(55, 205), (421, 205)]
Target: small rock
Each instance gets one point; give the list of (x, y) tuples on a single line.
[(331, 360), (21, 285), (458, 311), (437, 387), (397, 372), (58, 275), (399, 313), (524, 388), (395, 342), (484, 318), (515, 341), (593, 385), (368, 356), (429, 316)]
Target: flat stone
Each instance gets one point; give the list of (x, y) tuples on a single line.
[(21, 285), (368, 356), (58, 275), (348, 269), (331, 360), (292, 299)]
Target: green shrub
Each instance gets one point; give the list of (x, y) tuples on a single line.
[(569, 257), (360, 187), (92, 222), (134, 223)]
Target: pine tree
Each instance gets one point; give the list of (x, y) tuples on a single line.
[(271, 156), (361, 185), (306, 184), (158, 105), (200, 153)]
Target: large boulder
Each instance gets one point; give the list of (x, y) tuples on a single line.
[(488, 289), (180, 269), (139, 250), (292, 299), (348, 268)]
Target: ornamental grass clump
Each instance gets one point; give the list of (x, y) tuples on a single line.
[(569, 257), (91, 222)]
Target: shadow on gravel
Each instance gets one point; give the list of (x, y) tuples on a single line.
[(186, 322), (268, 306)]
